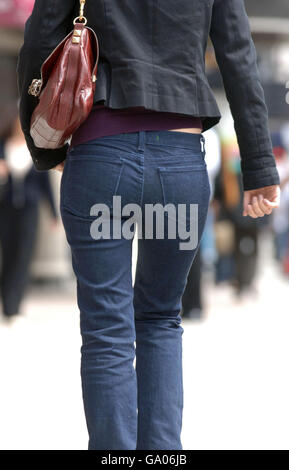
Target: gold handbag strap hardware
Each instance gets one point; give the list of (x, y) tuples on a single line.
[(81, 18), (82, 5)]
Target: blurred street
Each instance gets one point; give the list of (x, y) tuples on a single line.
[(235, 369), (235, 305)]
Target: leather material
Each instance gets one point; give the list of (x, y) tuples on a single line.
[(68, 89)]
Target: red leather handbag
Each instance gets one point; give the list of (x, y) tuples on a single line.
[(66, 87)]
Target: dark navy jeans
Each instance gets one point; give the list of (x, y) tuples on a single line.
[(132, 405)]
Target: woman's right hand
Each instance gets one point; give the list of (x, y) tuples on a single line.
[(261, 201)]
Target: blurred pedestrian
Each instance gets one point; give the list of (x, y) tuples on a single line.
[(22, 189), (244, 246), (280, 217)]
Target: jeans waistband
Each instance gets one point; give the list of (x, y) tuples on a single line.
[(195, 142)]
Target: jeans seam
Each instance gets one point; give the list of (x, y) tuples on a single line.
[(119, 177)]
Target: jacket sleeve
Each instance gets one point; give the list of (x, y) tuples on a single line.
[(237, 59), (49, 23)]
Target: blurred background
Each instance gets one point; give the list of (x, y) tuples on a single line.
[(235, 307)]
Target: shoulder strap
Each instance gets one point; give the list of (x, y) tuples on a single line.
[(82, 5), (81, 16)]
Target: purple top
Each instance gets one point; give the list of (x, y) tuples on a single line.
[(104, 121)]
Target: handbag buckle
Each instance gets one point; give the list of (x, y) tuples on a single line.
[(35, 87)]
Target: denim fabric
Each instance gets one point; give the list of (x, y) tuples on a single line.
[(131, 407)]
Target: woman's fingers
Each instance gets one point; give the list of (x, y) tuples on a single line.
[(245, 203), (270, 204), (257, 209), (260, 207), (261, 202), (251, 212), (266, 209)]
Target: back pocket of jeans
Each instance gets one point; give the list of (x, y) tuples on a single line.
[(88, 181), (187, 186), (184, 184)]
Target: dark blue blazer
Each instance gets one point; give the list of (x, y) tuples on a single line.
[(152, 54)]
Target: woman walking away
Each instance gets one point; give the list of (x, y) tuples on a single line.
[(143, 142)]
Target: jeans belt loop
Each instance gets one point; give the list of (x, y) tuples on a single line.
[(203, 147)]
